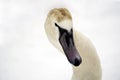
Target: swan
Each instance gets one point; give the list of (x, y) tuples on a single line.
[(78, 49)]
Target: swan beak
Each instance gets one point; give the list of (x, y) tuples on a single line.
[(67, 43)]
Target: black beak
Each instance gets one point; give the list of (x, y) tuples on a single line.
[(67, 42)]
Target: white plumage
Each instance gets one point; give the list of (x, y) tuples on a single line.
[(90, 68)]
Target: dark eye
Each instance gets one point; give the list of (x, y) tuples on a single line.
[(68, 35), (57, 25), (71, 30), (61, 30)]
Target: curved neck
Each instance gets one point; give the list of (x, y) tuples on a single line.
[(90, 68)]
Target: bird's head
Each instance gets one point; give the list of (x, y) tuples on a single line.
[(58, 27)]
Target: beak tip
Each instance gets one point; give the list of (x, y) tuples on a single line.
[(77, 62)]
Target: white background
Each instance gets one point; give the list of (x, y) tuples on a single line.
[(25, 52)]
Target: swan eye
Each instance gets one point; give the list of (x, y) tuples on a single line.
[(61, 30), (57, 25), (68, 35)]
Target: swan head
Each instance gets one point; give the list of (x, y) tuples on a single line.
[(59, 30)]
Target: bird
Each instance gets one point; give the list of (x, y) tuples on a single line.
[(78, 49)]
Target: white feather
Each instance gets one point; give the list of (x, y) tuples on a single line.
[(90, 69)]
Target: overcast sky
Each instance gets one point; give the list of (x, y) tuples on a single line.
[(25, 52)]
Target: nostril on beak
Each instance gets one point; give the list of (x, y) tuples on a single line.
[(77, 62)]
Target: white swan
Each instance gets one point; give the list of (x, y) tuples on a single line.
[(78, 49)]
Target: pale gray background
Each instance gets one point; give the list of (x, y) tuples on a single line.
[(25, 52)]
